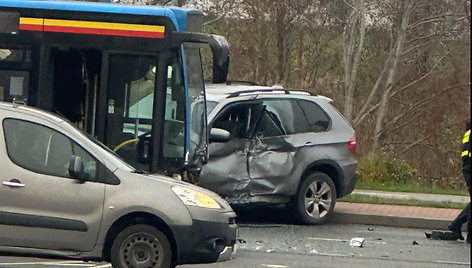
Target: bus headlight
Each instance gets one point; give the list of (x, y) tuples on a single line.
[(191, 197)]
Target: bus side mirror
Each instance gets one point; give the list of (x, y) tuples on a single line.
[(220, 50), (219, 135)]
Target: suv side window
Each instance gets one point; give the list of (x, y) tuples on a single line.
[(317, 119), (238, 120), (270, 125), (289, 114), (43, 150)]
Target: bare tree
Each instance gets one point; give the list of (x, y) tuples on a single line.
[(414, 30), (353, 42)]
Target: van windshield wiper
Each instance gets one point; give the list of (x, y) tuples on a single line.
[(139, 171)]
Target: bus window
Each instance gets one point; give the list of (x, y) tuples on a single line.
[(174, 123), (194, 75), (14, 84)]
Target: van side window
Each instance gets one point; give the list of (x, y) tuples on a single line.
[(43, 150)]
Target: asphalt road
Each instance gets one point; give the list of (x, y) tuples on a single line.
[(284, 245)]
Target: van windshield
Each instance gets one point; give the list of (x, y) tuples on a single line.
[(111, 156)]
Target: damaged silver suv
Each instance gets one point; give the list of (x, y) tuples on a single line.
[(275, 146)]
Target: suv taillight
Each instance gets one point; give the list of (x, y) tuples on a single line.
[(352, 145)]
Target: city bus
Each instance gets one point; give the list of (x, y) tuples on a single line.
[(128, 75)]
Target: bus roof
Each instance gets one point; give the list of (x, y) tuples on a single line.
[(177, 15)]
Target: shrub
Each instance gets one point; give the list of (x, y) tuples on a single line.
[(383, 167)]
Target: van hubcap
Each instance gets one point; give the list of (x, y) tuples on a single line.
[(141, 250)]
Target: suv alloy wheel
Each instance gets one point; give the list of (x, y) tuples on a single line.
[(315, 200)]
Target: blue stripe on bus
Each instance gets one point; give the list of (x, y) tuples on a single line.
[(178, 16)]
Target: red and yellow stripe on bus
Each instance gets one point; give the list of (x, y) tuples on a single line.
[(91, 27)]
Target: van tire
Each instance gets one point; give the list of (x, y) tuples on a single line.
[(141, 246)]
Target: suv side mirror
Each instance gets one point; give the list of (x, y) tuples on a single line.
[(76, 167), (219, 135)]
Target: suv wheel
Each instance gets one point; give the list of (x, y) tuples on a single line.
[(140, 246), (315, 200)]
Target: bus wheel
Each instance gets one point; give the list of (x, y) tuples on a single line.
[(141, 246), (315, 200)]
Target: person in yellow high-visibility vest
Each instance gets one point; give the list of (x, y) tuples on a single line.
[(464, 216)]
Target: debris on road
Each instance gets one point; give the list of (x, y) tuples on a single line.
[(415, 243), (370, 229), (443, 235), (357, 242)]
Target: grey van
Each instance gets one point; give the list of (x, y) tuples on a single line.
[(65, 195)]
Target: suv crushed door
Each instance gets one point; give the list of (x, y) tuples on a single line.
[(227, 171), (274, 159)]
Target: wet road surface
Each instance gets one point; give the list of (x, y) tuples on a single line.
[(286, 245)]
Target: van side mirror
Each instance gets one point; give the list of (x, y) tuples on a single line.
[(219, 135), (76, 167)]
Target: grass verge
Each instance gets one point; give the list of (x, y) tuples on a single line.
[(409, 188), (353, 198)]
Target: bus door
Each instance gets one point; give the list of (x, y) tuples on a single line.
[(139, 112), (74, 84)]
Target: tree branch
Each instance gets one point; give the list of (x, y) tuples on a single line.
[(418, 105), (362, 113), (417, 80), (415, 47), (436, 19)]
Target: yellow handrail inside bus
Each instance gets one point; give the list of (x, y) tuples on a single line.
[(124, 143)]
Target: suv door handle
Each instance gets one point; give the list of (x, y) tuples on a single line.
[(13, 183)]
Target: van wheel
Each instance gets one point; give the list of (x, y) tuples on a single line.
[(141, 246), (315, 200)]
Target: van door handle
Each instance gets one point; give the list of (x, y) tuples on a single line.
[(13, 183)]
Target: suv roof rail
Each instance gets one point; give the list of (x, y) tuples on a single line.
[(262, 91), (252, 83)]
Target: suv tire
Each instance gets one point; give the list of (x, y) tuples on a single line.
[(141, 246), (315, 200)]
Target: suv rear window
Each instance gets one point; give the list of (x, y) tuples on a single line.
[(317, 119), (296, 116)]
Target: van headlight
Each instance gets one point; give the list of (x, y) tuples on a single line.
[(191, 197)]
